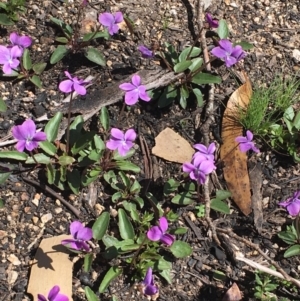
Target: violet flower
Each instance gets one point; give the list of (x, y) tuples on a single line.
[(110, 21), (20, 41), (134, 91), (206, 152), (157, 233), (53, 295), (80, 235), (149, 288), (146, 53), (120, 141), (229, 53), (292, 204), (213, 23), (8, 58), (246, 143), (73, 84), (199, 168), (27, 136)]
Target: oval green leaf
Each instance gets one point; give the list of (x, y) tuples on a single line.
[(127, 166), (125, 226), (206, 78), (95, 56), (222, 30), (65, 160), (182, 66), (36, 81), (220, 206), (14, 155), (292, 251), (60, 52), (74, 182), (39, 158), (88, 260), (3, 106), (100, 226), (90, 295), (181, 249), (182, 198), (195, 52), (111, 274), (27, 60), (38, 68), (48, 147), (51, 128), (104, 118)]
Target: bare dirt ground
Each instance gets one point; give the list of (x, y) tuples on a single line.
[(31, 214)]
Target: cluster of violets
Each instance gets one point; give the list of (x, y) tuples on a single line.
[(9, 55)]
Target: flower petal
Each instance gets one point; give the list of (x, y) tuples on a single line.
[(29, 128), (66, 86), (244, 147), (39, 136), (6, 69), (15, 51), (143, 93), (229, 61), (163, 224), (25, 41), (241, 139), (112, 144), (154, 233), (123, 149), (207, 167), (106, 19), (188, 167), (14, 38), (167, 239), (249, 135), (148, 277), (53, 292), (127, 87), (150, 290), (117, 134), (75, 227), (132, 97), (81, 90), (31, 145), (118, 17), (41, 298), (4, 54), (219, 52), (136, 80), (293, 208), (226, 45), (61, 297), (85, 234), (20, 146), (130, 135)]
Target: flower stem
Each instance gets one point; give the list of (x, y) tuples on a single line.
[(68, 127), (33, 157)]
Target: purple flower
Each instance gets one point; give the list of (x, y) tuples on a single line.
[(146, 53), (73, 84), (134, 91), (206, 152), (53, 295), (81, 234), (27, 136), (199, 168), (122, 142), (229, 53), (157, 233), (292, 204), (246, 142), (20, 41), (149, 288), (213, 23), (110, 21), (8, 58)]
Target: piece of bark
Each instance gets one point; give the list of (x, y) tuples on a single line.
[(51, 266)]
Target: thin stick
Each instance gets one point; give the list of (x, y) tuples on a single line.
[(56, 195)]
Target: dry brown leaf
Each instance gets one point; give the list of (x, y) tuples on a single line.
[(51, 267), (233, 294), (235, 162), (172, 147)]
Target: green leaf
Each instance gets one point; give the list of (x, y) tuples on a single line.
[(163, 264), (196, 64), (27, 60), (39, 68), (5, 20), (135, 187), (62, 40), (118, 157), (13, 155), (76, 129), (116, 196), (102, 34), (131, 208), (296, 121), (127, 166), (183, 55), (99, 144), (65, 160), (167, 97), (220, 206), (206, 78), (166, 274), (51, 128), (60, 52), (171, 186), (101, 225), (199, 97), (179, 230), (223, 30), (288, 237), (104, 118), (36, 81), (82, 142), (74, 180), (182, 66), (245, 45), (3, 106), (109, 241), (111, 274), (183, 198), (181, 249), (39, 158), (125, 226), (48, 147), (95, 56), (51, 172), (292, 251), (4, 176), (90, 295), (223, 194), (88, 260)]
